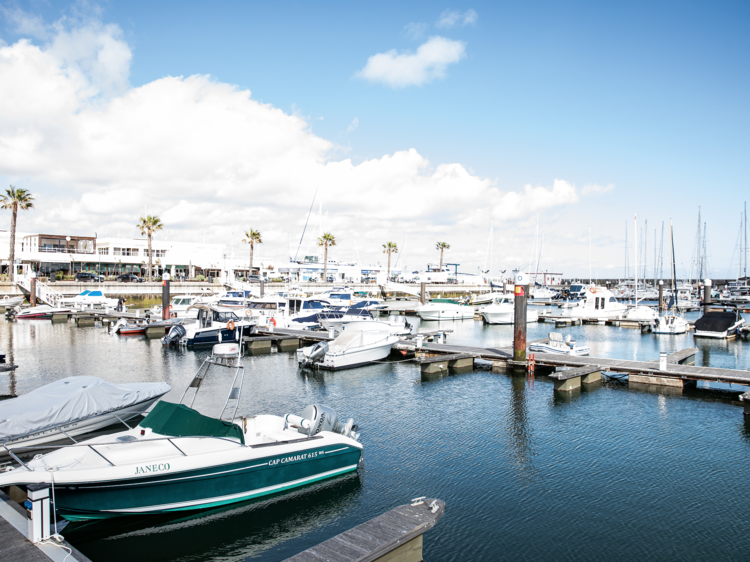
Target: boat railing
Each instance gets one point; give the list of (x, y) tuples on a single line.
[(128, 442)]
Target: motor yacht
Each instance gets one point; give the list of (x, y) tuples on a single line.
[(73, 406), (543, 294), (502, 311), (351, 349), (179, 459), (600, 304), (444, 310), (560, 346), (214, 324)]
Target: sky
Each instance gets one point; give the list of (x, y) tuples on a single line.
[(405, 122)]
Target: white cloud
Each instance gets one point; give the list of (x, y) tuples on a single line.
[(594, 189), (414, 69), (353, 125), (415, 30), (211, 161), (451, 18)]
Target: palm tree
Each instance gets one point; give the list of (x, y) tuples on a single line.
[(326, 240), (148, 226), (390, 248), (15, 199), (442, 246), (252, 237)]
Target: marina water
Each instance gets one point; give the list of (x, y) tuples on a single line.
[(602, 473)]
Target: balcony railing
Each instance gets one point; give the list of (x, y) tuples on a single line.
[(63, 250)]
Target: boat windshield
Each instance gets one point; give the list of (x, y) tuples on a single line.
[(83, 294)]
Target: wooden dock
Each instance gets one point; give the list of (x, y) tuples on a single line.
[(15, 547), (395, 536)]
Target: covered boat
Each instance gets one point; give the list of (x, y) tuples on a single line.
[(73, 406), (723, 324), (179, 459)]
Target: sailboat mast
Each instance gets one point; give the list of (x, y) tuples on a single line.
[(626, 240), (627, 272), (661, 252), (654, 258), (746, 242), (674, 268), (635, 250)]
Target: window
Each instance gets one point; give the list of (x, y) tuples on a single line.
[(157, 253), (125, 252), (103, 251), (612, 299)]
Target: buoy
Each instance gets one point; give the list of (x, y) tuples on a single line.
[(230, 325)]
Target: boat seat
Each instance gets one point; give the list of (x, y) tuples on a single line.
[(555, 336)]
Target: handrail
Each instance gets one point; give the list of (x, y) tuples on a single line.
[(91, 446)]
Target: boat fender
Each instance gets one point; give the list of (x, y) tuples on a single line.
[(230, 325)]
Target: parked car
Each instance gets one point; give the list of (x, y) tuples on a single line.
[(86, 276), (129, 278)]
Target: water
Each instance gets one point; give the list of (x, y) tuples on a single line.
[(602, 473)]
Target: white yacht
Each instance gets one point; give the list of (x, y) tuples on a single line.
[(543, 294), (670, 324), (600, 304), (88, 299), (502, 311), (444, 310), (350, 349)]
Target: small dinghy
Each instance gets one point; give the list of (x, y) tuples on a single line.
[(9, 302), (125, 328), (73, 406), (560, 346), (350, 349), (178, 459)]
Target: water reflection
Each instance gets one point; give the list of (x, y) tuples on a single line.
[(229, 533), (519, 430)]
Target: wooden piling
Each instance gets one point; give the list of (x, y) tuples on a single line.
[(519, 319)]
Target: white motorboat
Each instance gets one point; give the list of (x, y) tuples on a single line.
[(89, 299), (670, 324), (486, 298), (600, 304), (178, 459), (73, 406), (543, 294), (9, 301), (395, 324), (577, 290), (561, 346), (179, 305), (721, 324), (41, 311), (439, 310), (214, 324), (350, 349), (641, 313), (502, 311)]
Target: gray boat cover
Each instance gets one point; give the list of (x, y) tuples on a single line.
[(70, 399)]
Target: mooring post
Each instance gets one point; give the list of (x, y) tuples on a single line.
[(422, 292), (262, 288), (661, 296), (165, 295), (519, 317), (32, 288), (707, 295)]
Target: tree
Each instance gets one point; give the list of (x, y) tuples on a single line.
[(442, 246), (148, 226), (15, 199), (390, 248), (252, 237), (326, 240)]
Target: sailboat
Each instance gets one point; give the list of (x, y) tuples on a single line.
[(672, 322), (639, 312)]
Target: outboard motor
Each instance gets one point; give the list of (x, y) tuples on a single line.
[(119, 324), (317, 352), (175, 335), (570, 342), (315, 418)]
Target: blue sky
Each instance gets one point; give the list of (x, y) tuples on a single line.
[(647, 98)]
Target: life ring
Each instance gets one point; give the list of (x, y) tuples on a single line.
[(248, 312), (351, 302), (230, 325), (272, 321), (592, 289)]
